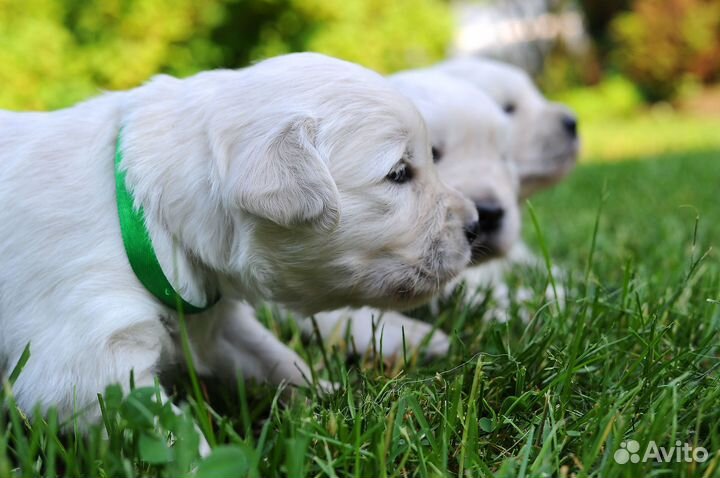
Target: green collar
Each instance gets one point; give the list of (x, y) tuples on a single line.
[(139, 249)]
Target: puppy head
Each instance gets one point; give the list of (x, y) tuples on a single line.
[(327, 188), (472, 149), (546, 141)]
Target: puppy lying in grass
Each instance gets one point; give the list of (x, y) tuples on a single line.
[(497, 140), (303, 180), (545, 148), (472, 146)]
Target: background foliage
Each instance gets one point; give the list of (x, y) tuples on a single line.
[(56, 52), (667, 48), (663, 44)]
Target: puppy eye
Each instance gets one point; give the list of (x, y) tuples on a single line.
[(437, 154), (399, 174), (509, 108)]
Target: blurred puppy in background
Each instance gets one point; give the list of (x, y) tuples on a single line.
[(546, 141), (546, 144)]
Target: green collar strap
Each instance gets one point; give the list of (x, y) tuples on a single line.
[(139, 249)]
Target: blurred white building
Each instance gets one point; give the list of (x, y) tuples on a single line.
[(518, 31)]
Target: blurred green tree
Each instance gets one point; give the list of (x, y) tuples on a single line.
[(383, 35), (56, 52)]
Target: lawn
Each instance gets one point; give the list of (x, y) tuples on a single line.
[(634, 355)]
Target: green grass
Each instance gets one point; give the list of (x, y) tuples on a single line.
[(616, 124), (652, 134), (633, 355)]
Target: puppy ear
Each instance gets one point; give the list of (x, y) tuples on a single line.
[(289, 182)]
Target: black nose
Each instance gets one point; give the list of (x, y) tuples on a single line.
[(471, 231), (570, 124), (490, 215)]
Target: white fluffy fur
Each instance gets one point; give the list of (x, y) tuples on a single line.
[(544, 152), (543, 149), (466, 129), (474, 137), (267, 183)]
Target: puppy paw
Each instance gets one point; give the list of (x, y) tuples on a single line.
[(394, 327), (370, 330), (557, 295), (326, 387), (439, 345), (204, 447), (320, 387)]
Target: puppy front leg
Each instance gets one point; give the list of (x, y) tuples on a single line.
[(141, 349), (392, 331), (240, 345), (69, 366), (103, 353)]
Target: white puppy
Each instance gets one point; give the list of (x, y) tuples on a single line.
[(546, 141), (303, 180), (544, 149), (472, 146)]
